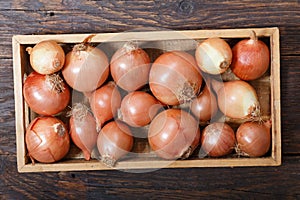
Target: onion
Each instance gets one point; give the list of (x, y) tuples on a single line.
[(237, 99), (130, 67), (46, 94), (114, 141), (174, 78), (138, 108), (105, 102), (213, 55), (83, 129), (205, 106), (251, 58), (253, 138), (173, 134), (47, 140), (46, 57), (86, 68), (218, 139)]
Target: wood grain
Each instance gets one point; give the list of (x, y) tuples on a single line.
[(71, 16), (234, 183)]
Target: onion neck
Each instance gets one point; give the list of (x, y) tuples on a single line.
[(29, 50), (130, 46), (255, 111), (253, 36)]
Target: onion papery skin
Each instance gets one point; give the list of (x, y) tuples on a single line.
[(46, 57), (213, 55), (86, 68), (47, 140), (105, 102), (83, 129), (251, 59), (237, 99), (218, 139), (114, 142), (138, 108), (130, 67), (46, 94), (175, 78), (174, 134), (253, 138), (205, 106)]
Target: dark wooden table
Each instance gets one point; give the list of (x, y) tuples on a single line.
[(78, 16)]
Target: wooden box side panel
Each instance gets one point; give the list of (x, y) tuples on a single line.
[(275, 96), (21, 116)]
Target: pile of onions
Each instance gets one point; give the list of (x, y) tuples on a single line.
[(205, 106), (47, 139), (251, 58), (218, 139), (86, 68), (105, 102), (237, 99), (174, 78), (46, 57), (46, 94), (130, 67), (138, 108), (213, 55), (114, 142), (174, 134), (83, 129), (253, 138)]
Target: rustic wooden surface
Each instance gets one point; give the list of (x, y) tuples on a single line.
[(78, 16)]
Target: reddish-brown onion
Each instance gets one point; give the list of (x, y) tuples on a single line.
[(83, 129), (130, 67), (114, 141), (213, 55), (253, 138), (175, 78), (86, 68), (237, 99), (46, 94), (105, 102), (205, 106), (46, 57), (138, 108), (47, 139), (251, 58), (174, 134), (218, 139)]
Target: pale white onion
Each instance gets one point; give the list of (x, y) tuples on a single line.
[(237, 99), (213, 56)]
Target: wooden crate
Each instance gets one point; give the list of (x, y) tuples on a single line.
[(268, 89)]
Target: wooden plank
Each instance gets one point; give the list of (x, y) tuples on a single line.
[(84, 16), (238, 182), (20, 110), (146, 36)]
